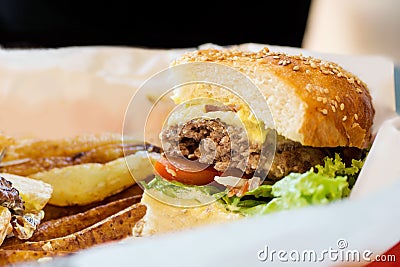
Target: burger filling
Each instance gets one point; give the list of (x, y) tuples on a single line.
[(227, 148)]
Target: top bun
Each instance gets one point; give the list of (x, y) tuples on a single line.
[(314, 102)]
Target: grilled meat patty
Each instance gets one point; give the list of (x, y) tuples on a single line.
[(211, 141)]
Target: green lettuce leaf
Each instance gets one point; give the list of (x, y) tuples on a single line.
[(300, 190), (320, 185), (178, 190), (335, 167), (258, 196)]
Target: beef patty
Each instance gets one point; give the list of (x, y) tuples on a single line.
[(212, 141)]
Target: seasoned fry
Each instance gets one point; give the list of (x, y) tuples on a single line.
[(39, 148), (52, 212), (83, 169), (100, 154), (115, 227), (11, 257), (92, 182), (74, 223), (93, 198)]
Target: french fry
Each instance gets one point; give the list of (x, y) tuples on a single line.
[(52, 212), (39, 148), (81, 170), (70, 224), (93, 182), (93, 197), (115, 227), (17, 257), (100, 154)]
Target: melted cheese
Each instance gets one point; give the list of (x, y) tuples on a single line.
[(240, 119)]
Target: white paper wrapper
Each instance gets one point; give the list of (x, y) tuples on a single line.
[(62, 92)]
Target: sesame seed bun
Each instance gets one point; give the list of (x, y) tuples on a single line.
[(314, 102)]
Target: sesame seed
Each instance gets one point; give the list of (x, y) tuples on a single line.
[(344, 118), (333, 108), (337, 98), (325, 71), (308, 87), (356, 116), (319, 99), (324, 111), (231, 56)]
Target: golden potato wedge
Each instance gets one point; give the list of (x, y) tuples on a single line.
[(92, 182), (52, 212), (40, 148), (17, 257), (99, 154), (74, 223), (115, 227), (35, 194)]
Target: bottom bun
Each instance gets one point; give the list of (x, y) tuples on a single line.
[(163, 218)]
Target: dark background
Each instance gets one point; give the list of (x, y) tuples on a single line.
[(54, 23)]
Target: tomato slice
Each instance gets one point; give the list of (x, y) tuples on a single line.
[(185, 171)]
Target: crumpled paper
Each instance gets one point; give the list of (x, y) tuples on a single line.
[(55, 93)]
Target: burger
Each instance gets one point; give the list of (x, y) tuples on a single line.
[(299, 139)]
